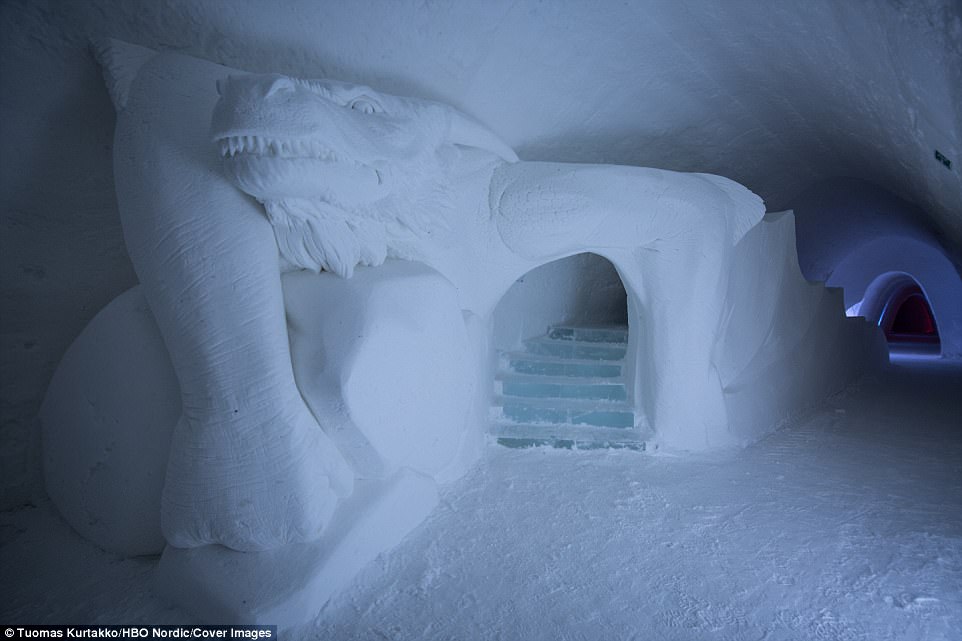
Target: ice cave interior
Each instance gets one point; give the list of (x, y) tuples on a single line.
[(656, 332)]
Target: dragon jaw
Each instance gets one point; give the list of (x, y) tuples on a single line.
[(284, 138), (272, 169)]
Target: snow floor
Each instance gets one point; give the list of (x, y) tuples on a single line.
[(845, 524)]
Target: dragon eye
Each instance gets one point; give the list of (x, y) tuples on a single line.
[(364, 105)]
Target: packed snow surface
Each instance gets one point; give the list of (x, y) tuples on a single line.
[(845, 524)]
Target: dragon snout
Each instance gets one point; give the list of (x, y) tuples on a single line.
[(271, 106)]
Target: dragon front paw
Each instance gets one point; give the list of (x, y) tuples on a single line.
[(251, 485)]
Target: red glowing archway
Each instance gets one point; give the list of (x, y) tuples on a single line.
[(907, 317)]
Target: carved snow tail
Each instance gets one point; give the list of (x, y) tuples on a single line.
[(121, 62)]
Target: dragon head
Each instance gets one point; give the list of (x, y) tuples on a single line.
[(339, 167)]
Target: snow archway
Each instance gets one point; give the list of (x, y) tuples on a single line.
[(899, 305), (873, 273), (583, 289), (564, 368)]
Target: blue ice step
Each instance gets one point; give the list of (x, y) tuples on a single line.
[(600, 334), (539, 364), (568, 437), (515, 442), (567, 411), (581, 350), (563, 387)]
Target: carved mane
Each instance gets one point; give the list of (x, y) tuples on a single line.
[(315, 235)]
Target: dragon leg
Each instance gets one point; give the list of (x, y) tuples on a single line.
[(249, 466)]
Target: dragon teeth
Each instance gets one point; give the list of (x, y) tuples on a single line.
[(234, 145)]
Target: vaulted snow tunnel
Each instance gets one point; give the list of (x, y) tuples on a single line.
[(564, 366), (865, 240)]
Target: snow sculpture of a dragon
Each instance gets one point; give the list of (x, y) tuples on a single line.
[(349, 176)]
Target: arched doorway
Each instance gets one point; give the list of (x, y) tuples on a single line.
[(898, 304), (561, 337), (907, 318)]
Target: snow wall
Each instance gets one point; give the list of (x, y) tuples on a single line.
[(787, 342)]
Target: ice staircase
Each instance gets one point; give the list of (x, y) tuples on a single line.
[(566, 390)]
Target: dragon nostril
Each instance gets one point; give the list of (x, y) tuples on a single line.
[(280, 83)]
